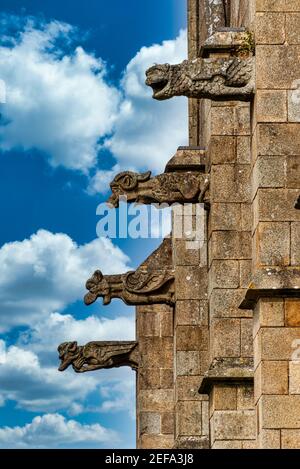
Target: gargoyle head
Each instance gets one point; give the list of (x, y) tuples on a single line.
[(126, 184), (98, 287), (68, 353), (164, 80)]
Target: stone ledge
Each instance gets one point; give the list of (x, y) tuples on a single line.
[(188, 159), (224, 40), (227, 370), (191, 442), (272, 282)]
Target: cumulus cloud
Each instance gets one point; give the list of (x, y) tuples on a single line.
[(48, 271), (55, 431), (147, 132), (60, 103)]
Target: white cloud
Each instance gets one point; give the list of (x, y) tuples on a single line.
[(60, 104), (147, 132), (47, 272), (55, 431)]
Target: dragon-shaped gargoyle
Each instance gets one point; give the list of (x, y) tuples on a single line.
[(180, 187), (218, 79), (297, 203), (98, 355), (134, 288)]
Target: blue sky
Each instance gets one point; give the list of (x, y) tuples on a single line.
[(76, 113)]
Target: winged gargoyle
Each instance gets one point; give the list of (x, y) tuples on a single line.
[(134, 288), (218, 79), (98, 355), (180, 187)]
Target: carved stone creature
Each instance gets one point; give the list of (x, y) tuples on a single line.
[(180, 187), (214, 78), (134, 288), (297, 204), (98, 355)]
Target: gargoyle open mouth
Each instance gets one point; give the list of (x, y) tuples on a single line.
[(158, 86)]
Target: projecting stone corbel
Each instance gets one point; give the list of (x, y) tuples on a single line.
[(151, 283), (184, 181), (230, 76), (98, 355)]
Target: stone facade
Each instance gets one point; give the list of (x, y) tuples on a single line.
[(218, 315)]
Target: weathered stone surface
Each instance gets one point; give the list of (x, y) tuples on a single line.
[(280, 412), (189, 418), (234, 444), (98, 355), (225, 337), (230, 120), (149, 324), (273, 244), (268, 313), (191, 283), (168, 423), (222, 149), (293, 172), (292, 312), (270, 28), (156, 400), (149, 423), (269, 171), (223, 397), (166, 378), (290, 439), (149, 378), (245, 397), (282, 210), (188, 363), (234, 425), (293, 102), (295, 243), (271, 377), (225, 303), (293, 28), (269, 439), (276, 342), (246, 337), (217, 79), (156, 351), (277, 5), (192, 312), (225, 274), (187, 389), (156, 441), (294, 377), (231, 183), (281, 68), (191, 442), (231, 245), (225, 216), (190, 338), (278, 139), (243, 150), (245, 273)]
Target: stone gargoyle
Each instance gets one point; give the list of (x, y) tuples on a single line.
[(297, 203), (218, 79), (180, 187), (98, 355), (134, 288)]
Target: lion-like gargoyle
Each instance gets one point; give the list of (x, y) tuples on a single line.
[(98, 355), (218, 79), (180, 187), (297, 203), (134, 288)]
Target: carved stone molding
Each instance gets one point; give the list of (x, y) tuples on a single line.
[(227, 371), (134, 288), (180, 187), (98, 355), (231, 77)]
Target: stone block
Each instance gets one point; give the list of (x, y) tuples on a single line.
[(168, 423), (269, 439), (156, 442), (246, 337), (295, 243), (243, 150), (249, 444), (187, 389), (223, 120), (271, 377), (223, 397), (268, 313), (235, 444), (192, 312), (234, 425), (292, 312), (156, 351), (231, 245), (225, 303), (270, 28), (222, 149), (242, 119), (191, 283), (269, 171), (293, 28), (246, 214), (280, 70), (277, 342), (294, 377), (166, 378), (225, 274), (149, 378), (293, 102), (184, 256), (166, 323), (225, 338), (225, 217), (149, 423), (245, 397), (290, 439), (188, 363), (282, 210), (157, 400), (148, 324), (245, 273), (273, 243), (280, 412), (293, 172), (231, 183), (188, 337), (271, 5), (188, 418), (278, 139), (205, 418)]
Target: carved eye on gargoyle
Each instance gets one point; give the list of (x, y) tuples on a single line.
[(128, 180)]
